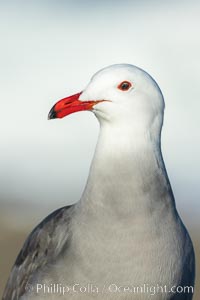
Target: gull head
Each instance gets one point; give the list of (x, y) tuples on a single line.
[(120, 94)]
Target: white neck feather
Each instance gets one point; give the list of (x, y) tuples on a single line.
[(128, 173)]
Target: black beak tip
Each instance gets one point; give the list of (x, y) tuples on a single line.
[(52, 114)]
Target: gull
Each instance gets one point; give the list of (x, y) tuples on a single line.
[(124, 239)]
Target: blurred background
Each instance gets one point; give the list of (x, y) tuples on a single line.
[(50, 49)]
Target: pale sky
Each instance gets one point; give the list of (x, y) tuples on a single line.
[(50, 49)]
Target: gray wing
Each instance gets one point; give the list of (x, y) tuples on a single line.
[(45, 243)]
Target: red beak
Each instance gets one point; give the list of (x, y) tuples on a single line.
[(69, 105)]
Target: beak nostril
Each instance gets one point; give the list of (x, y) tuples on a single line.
[(69, 102)]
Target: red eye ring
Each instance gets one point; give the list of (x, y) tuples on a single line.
[(124, 86)]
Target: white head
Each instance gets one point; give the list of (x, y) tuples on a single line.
[(119, 94), (132, 95)]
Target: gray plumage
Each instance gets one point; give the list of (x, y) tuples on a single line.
[(43, 246), (125, 230)]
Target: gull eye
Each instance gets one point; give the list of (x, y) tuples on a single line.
[(124, 86)]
